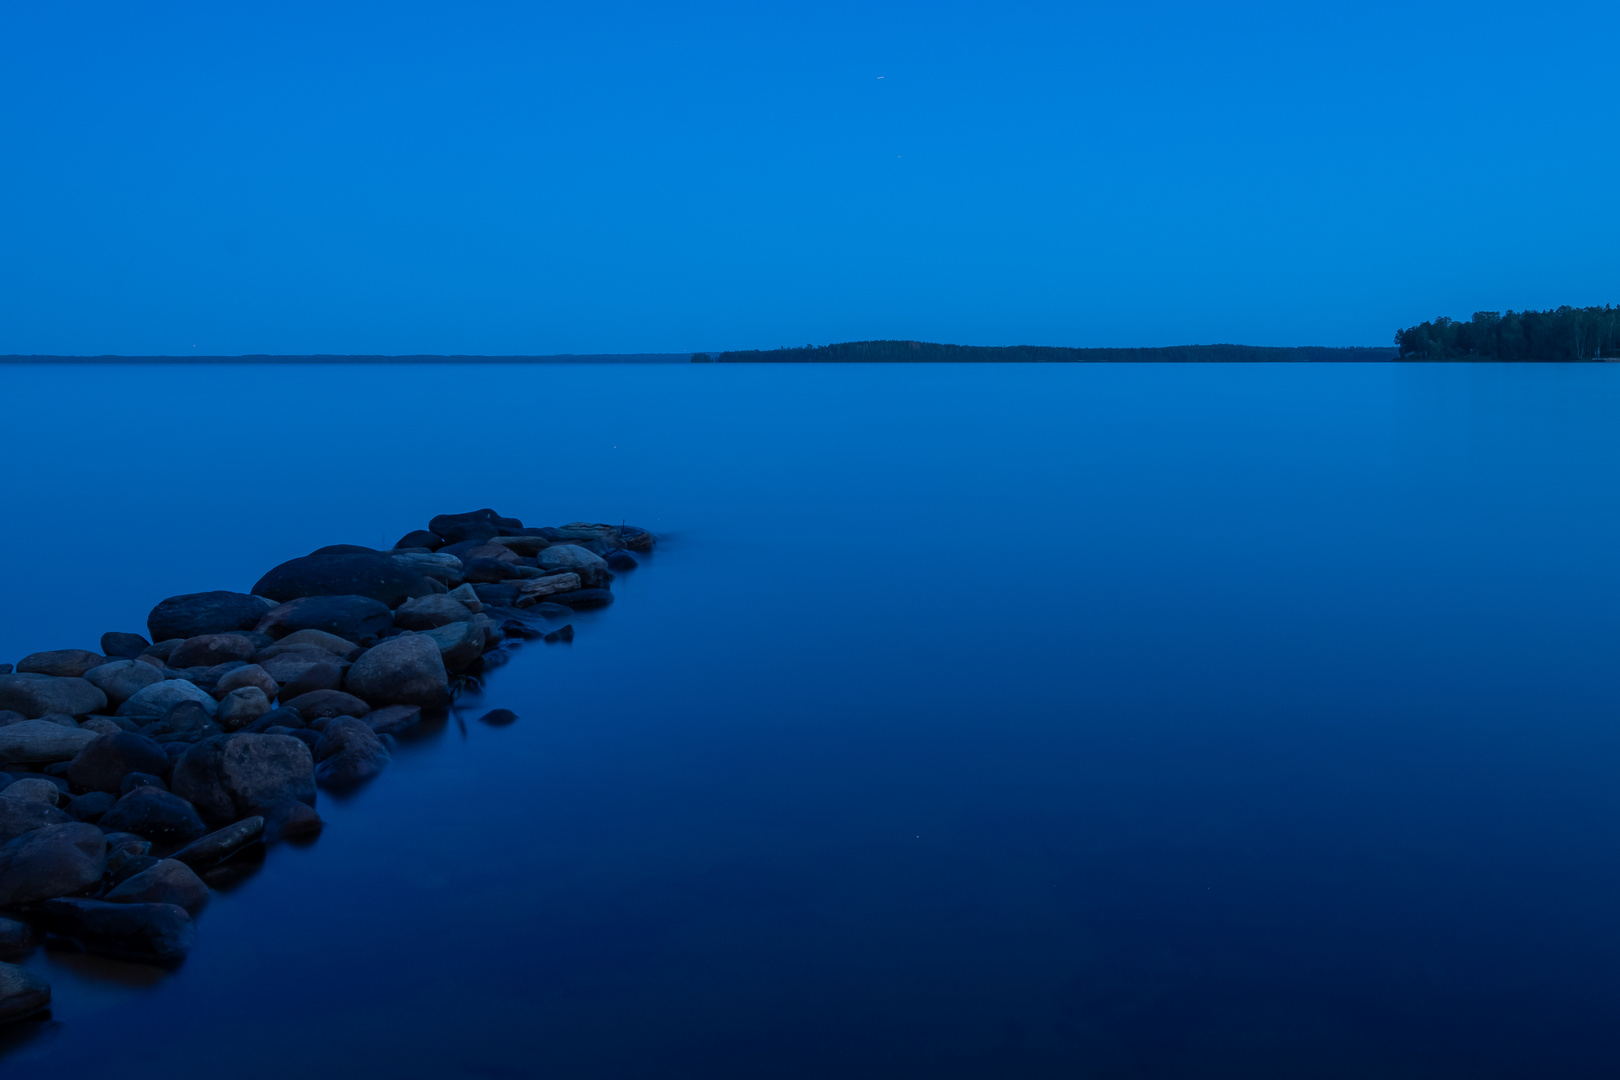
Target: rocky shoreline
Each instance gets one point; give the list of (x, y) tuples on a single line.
[(131, 776)]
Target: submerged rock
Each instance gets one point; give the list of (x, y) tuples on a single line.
[(498, 717), (132, 931)]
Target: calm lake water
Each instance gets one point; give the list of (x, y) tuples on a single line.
[(1114, 721)]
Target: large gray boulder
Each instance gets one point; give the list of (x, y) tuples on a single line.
[(103, 762), (38, 695), (568, 557), (205, 613), (353, 618), (230, 777), (241, 707), (404, 670), (42, 742), (167, 882), (355, 574), (121, 680), (68, 663), (22, 993), (155, 701), (55, 860), (18, 816), (251, 675), (134, 931)]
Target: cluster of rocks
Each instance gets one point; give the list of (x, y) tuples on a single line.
[(128, 774)]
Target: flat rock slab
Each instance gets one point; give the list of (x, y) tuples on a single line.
[(220, 845)]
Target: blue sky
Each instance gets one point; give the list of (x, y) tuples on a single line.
[(626, 177)]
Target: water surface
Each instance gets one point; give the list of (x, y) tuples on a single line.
[(1003, 721)]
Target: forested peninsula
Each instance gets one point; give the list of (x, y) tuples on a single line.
[(924, 352), (1564, 334)]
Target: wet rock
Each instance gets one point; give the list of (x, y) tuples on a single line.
[(204, 613), (348, 753), (534, 590), (247, 675), (39, 741), (231, 777), (160, 816), (562, 633), (53, 860), (421, 538), (374, 576), (206, 650), (133, 931), (121, 646), (516, 628), (186, 722), (489, 571), (15, 938), (135, 780), (336, 647), (353, 618), (169, 881), (583, 599), (440, 566), (91, 805), (59, 719), (292, 820), (474, 525), (241, 707), (322, 704), (19, 816), (302, 676), (221, 844), (121, 680), (501, 595), (636, 539), (126, 862), (34, 789), (621, 560), (307, 736), (157, 700), (107, 725), (498, 717), (430, 612), (526, 546), (64, 663), (285, 716), (104, 761), (568, 557), (161, 650), (35, 695), (344, 549), (392, 718), (22, 993), (468, 596), (404, 670), (459, 644)]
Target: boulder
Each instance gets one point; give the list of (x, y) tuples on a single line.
[(91, 805), (404, 670), (158, 699), (186, 722), (323, 704), (585, 531), (299, 676), (392, 718), (348, 753), (441, 566), (421, 538), (169, 881), (429, 612), (621, 560), (241, 707), (498, 552), (103, 762), (221, 844), (121, 680), (368, 575), (126, 862), (135, 780), (636, 539), (248, 675), (568, 557), (22, 993), (459, 644), (54, 860), (468, 596), (34, 789), (160, 816), (516, 628), (501, 594), (231, 777), (121, 646), (19, 816), (535, 588), (41, 741), (15, 937), (35, 695), (528, 546), (292, 820), (353, 618), (106, 725), (279, 717), (564, 633), (65, 663), (498, 717), (207, 650), (204, 613), (478, 525), (581, 599), (489, 571), (132, 931), (338, 647)]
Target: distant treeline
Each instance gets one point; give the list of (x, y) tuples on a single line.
[(1565, 334), (919, 352)]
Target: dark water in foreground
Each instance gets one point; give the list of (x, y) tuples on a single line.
[(971, 721)]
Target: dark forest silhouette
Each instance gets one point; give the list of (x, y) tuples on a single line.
[(1565, 334)]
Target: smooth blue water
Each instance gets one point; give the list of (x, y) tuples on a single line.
[(1115, 721)]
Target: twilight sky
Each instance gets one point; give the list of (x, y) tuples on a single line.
[(629, 177)]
